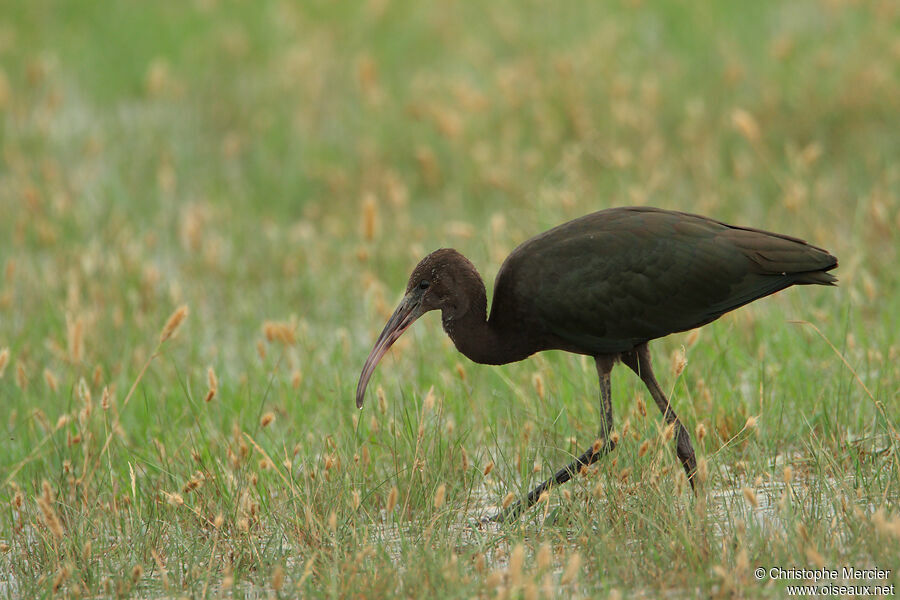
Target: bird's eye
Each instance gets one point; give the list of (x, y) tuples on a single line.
[(423, 285)]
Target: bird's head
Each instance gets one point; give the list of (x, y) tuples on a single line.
[(437, 283)]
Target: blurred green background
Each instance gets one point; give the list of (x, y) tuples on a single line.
[(281, 167)]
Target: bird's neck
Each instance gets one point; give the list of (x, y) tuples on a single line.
[(479, 339)]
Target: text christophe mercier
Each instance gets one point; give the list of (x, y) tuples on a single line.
[(842, 574)]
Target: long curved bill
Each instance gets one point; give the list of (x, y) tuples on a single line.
[(407, 312)]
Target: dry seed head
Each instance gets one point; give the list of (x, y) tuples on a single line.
[(174, 499), (814, 557), (280, 331), (212, 380), (219, 521), (173, 323), (494, 579), (61, 576), (461, 371), (105, 398), (369, 216), (692, 337), (428, 166), (382, 400), (750, 496), (428, 402), (439, 495), (488, 468), (679, 361), (75, 338), (751, 423), (643, 449), (392, 499), (355, 499), (47, 492), (642, 408), (614, 437), (51, 380), (516, 562), (21, 375), (157, 78), (669, 432), (702, 470), (136, 573), (572, 569), (508, 499), (745, 124), (742, 562), (480, 562), (4, 360), (278, 577), (267, 419), (700, 432), (84, 394), (538, 383), (296, 379), (885, 526), (543, 557), (51, 519), (332, 521), (464, 459)]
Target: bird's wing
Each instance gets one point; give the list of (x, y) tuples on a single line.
[(606, 285)]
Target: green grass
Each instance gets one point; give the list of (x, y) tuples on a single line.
[(220, 155)]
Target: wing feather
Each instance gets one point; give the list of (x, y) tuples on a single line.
[(614, 279)]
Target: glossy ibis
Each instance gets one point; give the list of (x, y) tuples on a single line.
[(604, 285)]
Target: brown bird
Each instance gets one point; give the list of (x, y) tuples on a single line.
[(603, 285)]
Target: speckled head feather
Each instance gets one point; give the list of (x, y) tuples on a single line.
[(445, 273)]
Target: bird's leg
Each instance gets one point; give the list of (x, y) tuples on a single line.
[(603, 445), (639, 362)]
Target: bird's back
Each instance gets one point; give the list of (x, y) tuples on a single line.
[(614, 279)]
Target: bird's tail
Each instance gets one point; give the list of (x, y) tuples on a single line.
[(776, 254), (816, 277)]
